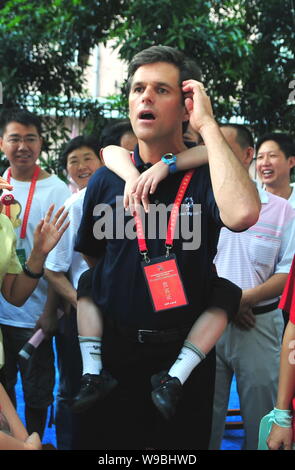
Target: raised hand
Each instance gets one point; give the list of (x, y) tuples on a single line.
[(198, 104), (49, 232)]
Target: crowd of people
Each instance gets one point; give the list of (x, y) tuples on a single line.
[(151, 319)]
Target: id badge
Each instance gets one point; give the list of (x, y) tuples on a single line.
[(21, 254), (164, 283)]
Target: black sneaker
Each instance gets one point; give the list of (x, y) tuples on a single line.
[(166, 394), (93, 388)]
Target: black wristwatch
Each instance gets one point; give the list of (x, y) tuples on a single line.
[(30, 273)]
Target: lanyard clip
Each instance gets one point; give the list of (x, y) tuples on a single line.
[(168, 248), (145, 256)]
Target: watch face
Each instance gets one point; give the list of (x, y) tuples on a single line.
[(169, 158)]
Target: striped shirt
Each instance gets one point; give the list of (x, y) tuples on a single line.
[(251, 257)]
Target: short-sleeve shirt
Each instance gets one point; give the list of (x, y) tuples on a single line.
[(63, 258), (292, 196), (251, 257), (119, 288), (50, 190), (9, 263)]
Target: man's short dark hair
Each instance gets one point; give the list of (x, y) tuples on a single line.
[(21, 116), (284, 141), (186, 66), (80, 141), (244, 135), (114, 131)]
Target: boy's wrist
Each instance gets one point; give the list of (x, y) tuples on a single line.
[(170, 160)]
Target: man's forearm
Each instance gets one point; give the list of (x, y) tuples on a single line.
[(62, 286), (268, 290), (235, 193)]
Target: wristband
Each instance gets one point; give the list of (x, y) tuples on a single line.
[(170, 160), (30, 273), (282, 418)]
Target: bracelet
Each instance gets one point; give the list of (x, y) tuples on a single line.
[(30, 273), (282, 418)]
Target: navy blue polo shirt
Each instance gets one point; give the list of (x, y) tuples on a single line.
[(119, 287)]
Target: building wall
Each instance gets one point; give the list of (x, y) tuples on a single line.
[(106, 72)]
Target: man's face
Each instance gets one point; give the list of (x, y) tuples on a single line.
[(155, 103), (230, 135), (21, 145), (272, 165)]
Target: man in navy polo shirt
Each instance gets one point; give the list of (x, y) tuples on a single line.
[(139, 341)]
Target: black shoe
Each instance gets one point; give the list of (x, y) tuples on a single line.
[(93, 388), (166, 394)]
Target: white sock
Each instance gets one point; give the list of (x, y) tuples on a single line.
[(189, 357), (90, 347)]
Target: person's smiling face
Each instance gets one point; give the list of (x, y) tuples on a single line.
[(272, 166), (21, 145), (81, 164)]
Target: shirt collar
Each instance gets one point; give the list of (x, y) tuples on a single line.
[(264, 198), (139, 163)]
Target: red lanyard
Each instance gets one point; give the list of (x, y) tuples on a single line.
[(29, 200), (172, 220)]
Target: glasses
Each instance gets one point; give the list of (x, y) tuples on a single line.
[(15, 141)]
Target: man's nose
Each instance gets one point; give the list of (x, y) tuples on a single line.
[(22, 144), (148, 94), (265, 160)]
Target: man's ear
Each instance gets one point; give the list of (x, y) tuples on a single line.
[(186, 114), (249, 155), (291, 161)]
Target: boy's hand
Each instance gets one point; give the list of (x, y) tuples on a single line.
[(137, 189)]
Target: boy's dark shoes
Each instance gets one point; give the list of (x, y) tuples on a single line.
[(93, 388), (166, 394)]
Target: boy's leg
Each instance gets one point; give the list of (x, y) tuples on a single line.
[(199, 343), (90, 332), (96, 383), (208, 328)]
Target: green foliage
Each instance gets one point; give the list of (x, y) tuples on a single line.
[(244, 48), (44, 49)]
